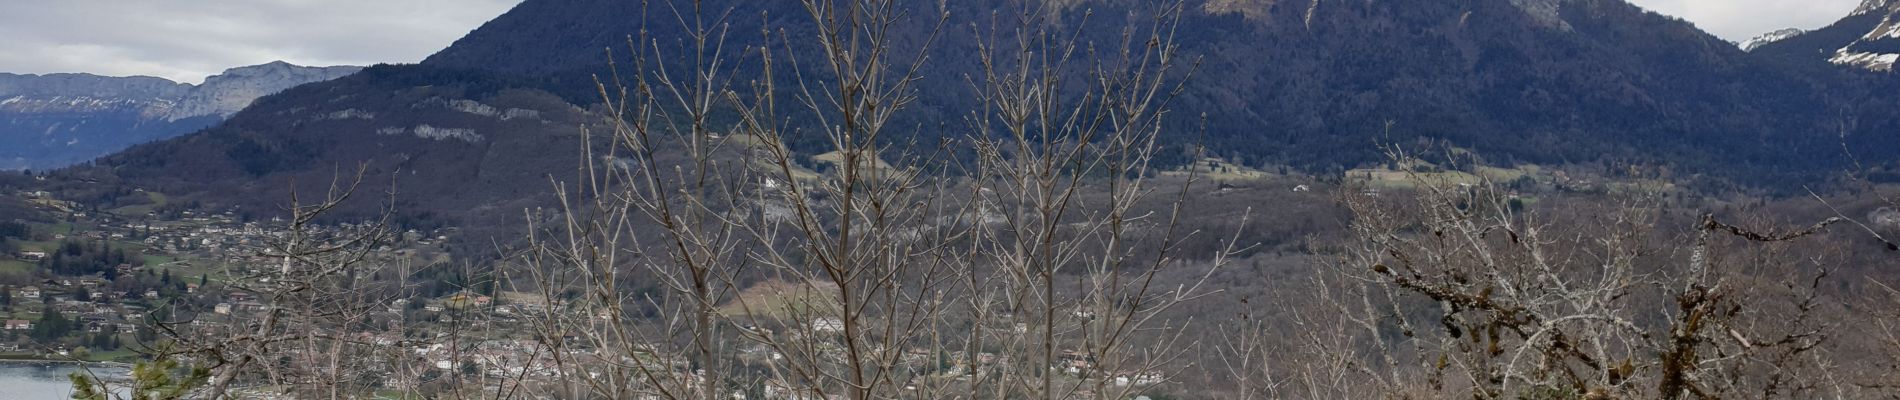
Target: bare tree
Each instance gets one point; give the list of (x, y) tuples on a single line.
[(316, 304), (1450, 290), (1060, 181), (893, 270)]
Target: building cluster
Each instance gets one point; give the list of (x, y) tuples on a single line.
[(197, 246)]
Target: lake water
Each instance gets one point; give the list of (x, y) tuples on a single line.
[(43, 381)]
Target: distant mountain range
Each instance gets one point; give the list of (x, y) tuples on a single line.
[(1868, 38), (55, 120), (470, 135)]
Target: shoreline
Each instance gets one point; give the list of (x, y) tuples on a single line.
[(107, 364)]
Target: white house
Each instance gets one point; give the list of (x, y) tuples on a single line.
[(827, 325)]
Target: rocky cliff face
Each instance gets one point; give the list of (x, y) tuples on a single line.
[(54, 120), (225, 94), (1875, 6), (56, 94)]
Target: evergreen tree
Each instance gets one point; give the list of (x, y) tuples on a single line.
[(162, 379), (145, 333), (52, 326)]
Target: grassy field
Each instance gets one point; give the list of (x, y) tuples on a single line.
[(121, 355), (188, 270), (62, 206), (155, 260), (15, 267), (1219, 170), (799, 173), (778, 299), (47, 246), (21, 312), (750, 141), (63, 228), (1389, 178), (835, 161), (51, 245), (158, 200)]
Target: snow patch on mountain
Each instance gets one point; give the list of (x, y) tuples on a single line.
[(1770, 37), (1874, 6), (67, 105), (1873, 50), (1871, 61), (1888, 28)]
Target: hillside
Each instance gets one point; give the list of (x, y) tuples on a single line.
[(1553, 81), (453, 153), (1548, 82), (1487, 199)]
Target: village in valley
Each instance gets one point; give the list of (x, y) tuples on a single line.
[(90, 285), (95, 286)]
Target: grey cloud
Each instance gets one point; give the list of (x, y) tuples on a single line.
[(186, 40)]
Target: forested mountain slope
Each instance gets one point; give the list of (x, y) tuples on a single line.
[(1314, 85)]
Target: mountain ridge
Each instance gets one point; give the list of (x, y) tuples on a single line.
[(1456, 49), (1867, 38), (53, 120), (1770, 37), (228, 92), (1282, 84)]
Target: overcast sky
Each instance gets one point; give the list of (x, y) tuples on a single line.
[(186, 40), (1738, 20)]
